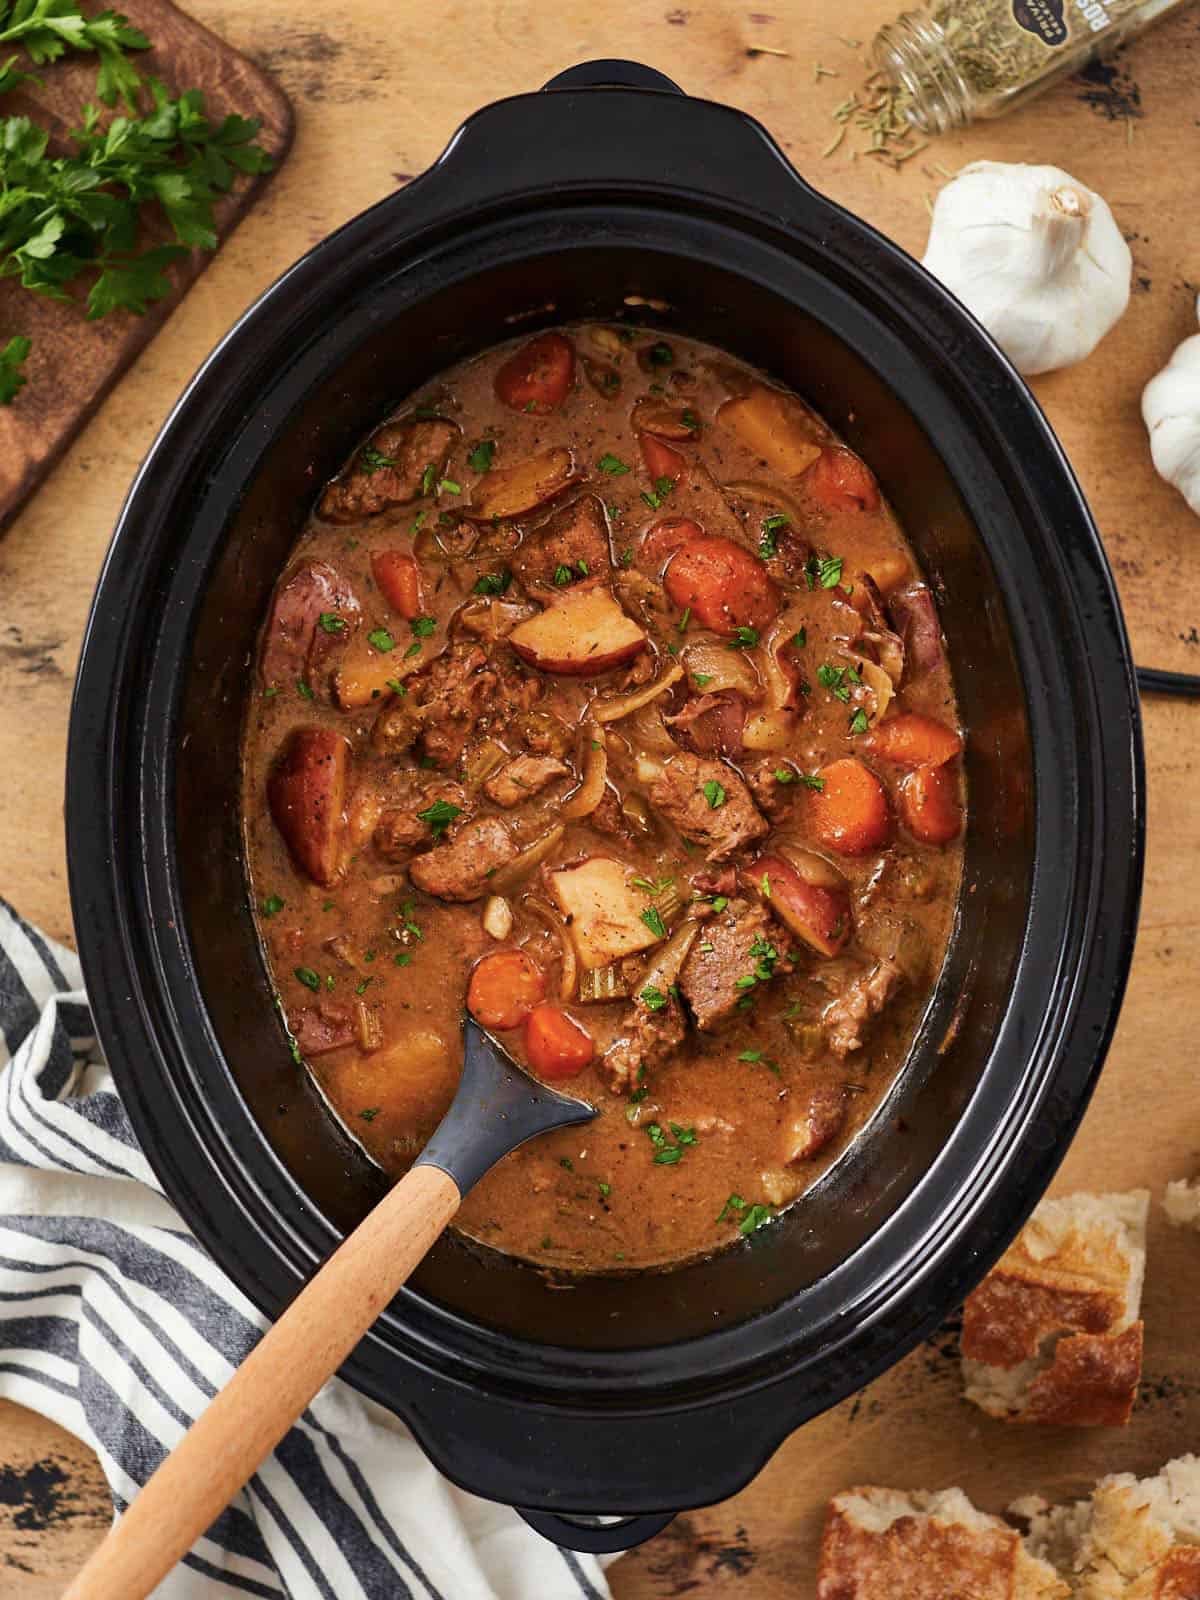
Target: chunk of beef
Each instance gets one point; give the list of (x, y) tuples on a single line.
[(914, 617), (609, 818), (391, 469), (815, 1123), (523, 777), (880, 640), (845, 1018), (771, 796), (722, 882), (729, 950), (294, 644), (448, 697), (459, 869), (678, 792), (574, 541), (387, 803), (647, 1037), (321, 1027), (711, 724)]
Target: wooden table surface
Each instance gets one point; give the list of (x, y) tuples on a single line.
[(377, 91)]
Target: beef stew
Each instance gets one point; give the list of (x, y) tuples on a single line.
[(602, 694)]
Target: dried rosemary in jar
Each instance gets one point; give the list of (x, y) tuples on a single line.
[(963, 59)]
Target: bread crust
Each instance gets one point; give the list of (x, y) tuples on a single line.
[(1092, 1382)]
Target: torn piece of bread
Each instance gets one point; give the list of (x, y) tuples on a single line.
[(1133, 1540), (1181, 1202), (881, 1544), (1051, 1334)]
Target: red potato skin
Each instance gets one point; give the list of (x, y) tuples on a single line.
[(306, 792), (290, 641), (850, 814), (929, 805), (723, 584), (842, 482), (505, 986), (661, 541), (318, 1030), (911, 740), (556, 1045), (538, 377), (819, 916), (399, 579), (662, 460)]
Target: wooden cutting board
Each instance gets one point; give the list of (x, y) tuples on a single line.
[(74, 363)]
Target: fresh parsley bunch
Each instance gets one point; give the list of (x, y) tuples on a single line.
[(76, 215)]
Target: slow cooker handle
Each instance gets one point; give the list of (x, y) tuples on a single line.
[(596, 1539), (612, 74)]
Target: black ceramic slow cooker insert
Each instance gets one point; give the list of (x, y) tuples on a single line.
[(651, 1392)]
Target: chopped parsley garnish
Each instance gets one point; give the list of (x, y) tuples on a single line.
[(562, 575), (565, 1161), (361, 988), (768, 543), (271, 905), (662, 488), (418, 522), (370, 1113), (627, 553), (403, 959), (331, 622), (373, 459), (449, 486), (329, 980), (720, 901), (493, 582), (823, 571), (858, 722), (611, 464), (743, 638), (397, 687), (747, 981), (581, 567), (812, 781), (682, 624), (269, 694), (701, 678), (834, 679), (605, 1189), (439, 816), (754, 1219), (751, 1055), (422, 627), (16, 352), (690, 420), (308, 978), (665, 1153), (653, 999), (652, 917), (735, 1203), (428, 478), (800, 638), (414, 649), (304, 690), (765, 886), (714, 793), (381, 640), (660, 354), (480, 459), (784, 775)]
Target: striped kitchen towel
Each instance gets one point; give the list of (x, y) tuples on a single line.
[(115, 1323)]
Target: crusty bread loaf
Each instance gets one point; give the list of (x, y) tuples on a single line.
[(1181, 1202), (1051, 1334), (881, 1544), (1133, 1540)]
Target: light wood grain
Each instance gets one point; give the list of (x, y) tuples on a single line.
[(243, 1424), (377, 92)]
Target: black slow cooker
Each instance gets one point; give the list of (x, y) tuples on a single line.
[(613, 194)]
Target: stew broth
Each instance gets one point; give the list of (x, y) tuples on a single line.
[(602, 693)]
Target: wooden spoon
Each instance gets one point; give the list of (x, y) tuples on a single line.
[(497, 1107)]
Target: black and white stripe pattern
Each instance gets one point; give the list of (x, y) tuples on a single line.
[(117, 1325)]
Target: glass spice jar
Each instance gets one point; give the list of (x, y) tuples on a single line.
[(963, 59)]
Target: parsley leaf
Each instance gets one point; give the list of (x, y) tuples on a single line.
[(652, 917), (755, 1218), (428, 478), (660, 354), (812, 781), (331, 622), (800, 638), (304, 690), (307, 977), (829, 573), (858, 722), (690, 420), (12, 358), (734, 1204), (834, 679), (743, 638), (784, 775), (562, 575), (449, 486), (380, 639), (480, 459), (701, 678), (714, 793), (493, 582), (422, 627), (439, 816), (369, 1113), (611, 464), (653, 999), (271, 905), (370, 460)]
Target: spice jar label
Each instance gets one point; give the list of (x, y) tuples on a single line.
[(1042, 18)]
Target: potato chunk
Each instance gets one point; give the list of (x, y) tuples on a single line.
[(603, 910)]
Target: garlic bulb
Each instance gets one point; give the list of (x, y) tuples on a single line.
[(1036, 256), (1171, 412)]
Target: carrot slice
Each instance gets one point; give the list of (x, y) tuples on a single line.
[(555, 1043), (911, 740), (723, 585), (505, 986), (842, 481), (538, 376), (849, 812), (661, 460), (399, 579), (930, 807)]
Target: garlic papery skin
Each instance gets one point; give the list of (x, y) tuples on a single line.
[(1036, 256), (1171, 412)]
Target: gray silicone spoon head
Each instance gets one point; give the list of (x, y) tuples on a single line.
[(498, 1107)]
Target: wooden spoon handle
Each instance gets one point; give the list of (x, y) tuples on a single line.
[(244, 1423)]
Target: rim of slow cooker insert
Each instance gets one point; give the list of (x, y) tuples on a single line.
[(96, 755)]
